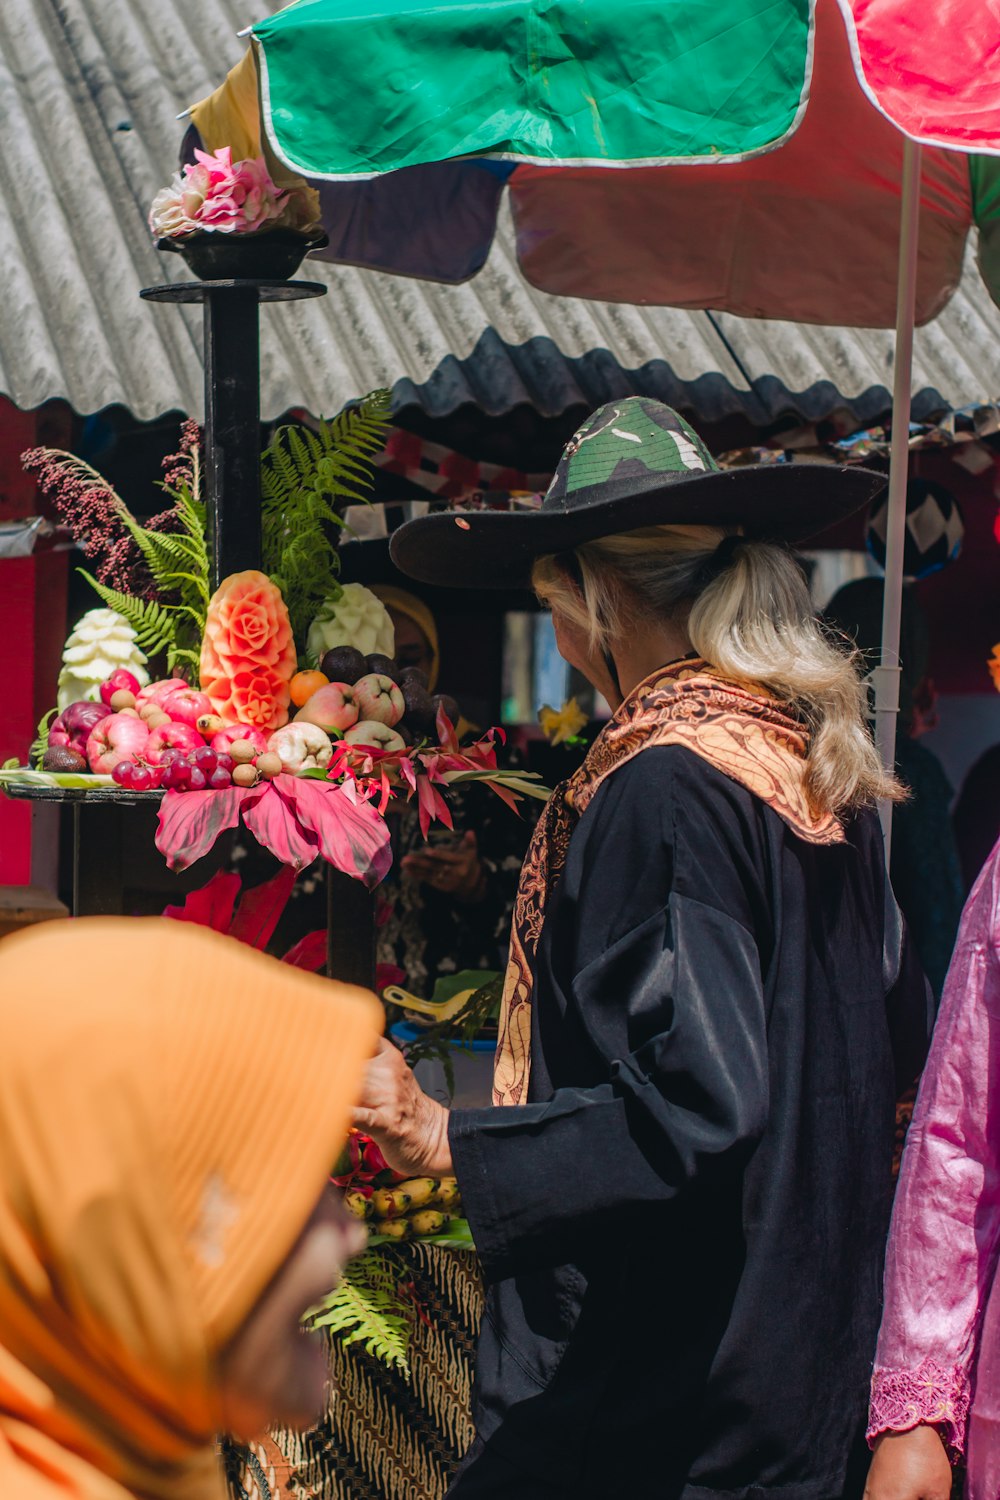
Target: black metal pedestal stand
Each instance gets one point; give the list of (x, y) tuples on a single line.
[(232, 475)]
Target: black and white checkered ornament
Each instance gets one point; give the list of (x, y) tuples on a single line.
[(934, 528)]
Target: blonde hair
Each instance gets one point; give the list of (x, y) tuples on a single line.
[(753, 621)]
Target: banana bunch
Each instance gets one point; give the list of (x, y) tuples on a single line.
[(410, 1209)]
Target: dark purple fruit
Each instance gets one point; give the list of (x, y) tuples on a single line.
[(60, 758), (419, 710), (447, 702), (384, 665), (414, 674), (344, 664), (406, 734)]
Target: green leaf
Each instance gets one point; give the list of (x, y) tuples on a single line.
[(527, 782), (13, 774), (366, 1308), (41, 741), (467, 979)]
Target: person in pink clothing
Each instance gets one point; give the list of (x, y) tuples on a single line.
[(936, 1383)]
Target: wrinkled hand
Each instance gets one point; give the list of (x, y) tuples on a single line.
[(910, 1466), (410, 1129), (456, 872)]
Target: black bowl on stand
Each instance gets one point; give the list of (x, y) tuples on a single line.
[(266, 255)]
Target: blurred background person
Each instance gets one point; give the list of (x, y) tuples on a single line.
[(925, 870), (446, 904), (162, 1230)]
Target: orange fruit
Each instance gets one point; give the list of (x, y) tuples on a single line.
[(304, 684)]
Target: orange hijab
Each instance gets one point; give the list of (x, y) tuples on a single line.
[(171, 1102)]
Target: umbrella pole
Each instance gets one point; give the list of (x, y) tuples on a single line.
[(887, 673)]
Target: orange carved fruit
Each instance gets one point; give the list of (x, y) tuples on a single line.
[(247, 652)]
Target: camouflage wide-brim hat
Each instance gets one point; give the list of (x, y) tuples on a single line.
[(633, 463)]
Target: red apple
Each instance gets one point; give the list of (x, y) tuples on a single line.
[(118, 680), (186, 706), (380, 699), (171, 736), (331, 707), (221, 741), (155, 692), (375, 735), (72, 728), (116, 738)]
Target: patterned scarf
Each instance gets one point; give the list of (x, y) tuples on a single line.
[(746, 735)]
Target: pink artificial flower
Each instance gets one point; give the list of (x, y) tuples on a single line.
[(215, 193)]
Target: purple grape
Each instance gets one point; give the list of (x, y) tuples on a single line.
[(170, 754), (142, 779), (204, 758), (176, 776), (124, 773), (224, 761), (199, 781), (220, 779)]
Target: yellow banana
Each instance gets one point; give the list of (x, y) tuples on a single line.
[(415, 1192), (429, 1221), (419, 1190), (447, 1193), (395, 1229), (357, 1204)]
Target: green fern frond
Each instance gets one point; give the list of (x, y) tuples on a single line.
[(366, 1308), (40, 743), (307, 479), (177, 655), (154, 628)]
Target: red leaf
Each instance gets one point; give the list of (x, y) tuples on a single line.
[(351, 835), (190, 822), (273, 823), (259, 912), (309, 952), (505, 794), (210, 906), (431, 805), (447, 737)]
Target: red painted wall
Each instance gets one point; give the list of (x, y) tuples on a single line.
[(32, 630)]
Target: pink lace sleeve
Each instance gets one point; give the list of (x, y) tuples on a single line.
[(942, 1252), (932, 1393)]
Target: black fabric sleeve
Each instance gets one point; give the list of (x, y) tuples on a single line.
[(688, 1096)]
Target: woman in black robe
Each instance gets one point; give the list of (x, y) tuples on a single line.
[(681, 1204)]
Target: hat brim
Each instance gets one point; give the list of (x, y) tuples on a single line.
[(496, 549)]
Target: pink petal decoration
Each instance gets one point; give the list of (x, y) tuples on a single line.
[(351, 835), (309, 952), (190, 822), (260, 909), (212, 905), (273, 823)]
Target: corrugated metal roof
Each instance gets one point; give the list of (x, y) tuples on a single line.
[(89, 92)]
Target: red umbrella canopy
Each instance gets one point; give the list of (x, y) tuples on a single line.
[(794, 215)]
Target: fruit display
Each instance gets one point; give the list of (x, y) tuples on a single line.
[(279, 704)]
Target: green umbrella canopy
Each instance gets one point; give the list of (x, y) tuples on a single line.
[(351, 90)]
